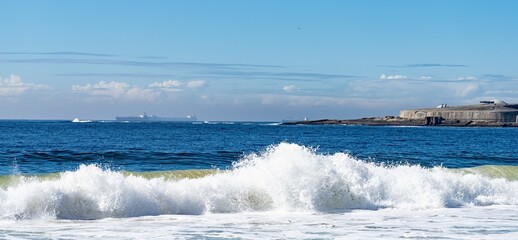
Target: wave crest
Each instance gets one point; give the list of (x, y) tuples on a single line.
[(285, 177)]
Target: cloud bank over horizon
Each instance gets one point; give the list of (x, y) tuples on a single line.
[(384, 95)]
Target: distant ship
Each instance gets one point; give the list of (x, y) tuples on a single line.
[(151, 118)]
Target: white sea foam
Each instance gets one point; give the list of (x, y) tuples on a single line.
[(272, 124), (77, 120), (284, 178)]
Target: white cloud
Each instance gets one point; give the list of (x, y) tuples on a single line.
[(167, 84), (467, 90), (14, 86), (118, 90), (425, 78), (175, 85), (170, 85), (392, 77), (196, 84), (288, 88), (466, 78)]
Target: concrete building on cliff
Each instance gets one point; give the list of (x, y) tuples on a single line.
[(494, 111)]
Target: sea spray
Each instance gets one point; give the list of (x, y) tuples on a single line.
[(285, 177)]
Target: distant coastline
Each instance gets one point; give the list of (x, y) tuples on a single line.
[(396, 121), (493, 113)]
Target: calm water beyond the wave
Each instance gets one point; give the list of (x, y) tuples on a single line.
[(60, 179)]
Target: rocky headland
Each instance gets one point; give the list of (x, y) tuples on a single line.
[(397, 121), (492, 113)]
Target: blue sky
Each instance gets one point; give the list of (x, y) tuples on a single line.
[(252, 60)]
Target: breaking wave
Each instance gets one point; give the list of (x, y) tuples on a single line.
[(285, 177)]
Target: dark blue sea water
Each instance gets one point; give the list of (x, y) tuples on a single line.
[(114, 180), (32, 147)]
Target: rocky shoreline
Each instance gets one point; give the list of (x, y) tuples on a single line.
[(397, 121)]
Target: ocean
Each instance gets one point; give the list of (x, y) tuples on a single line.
[(250, 180)]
